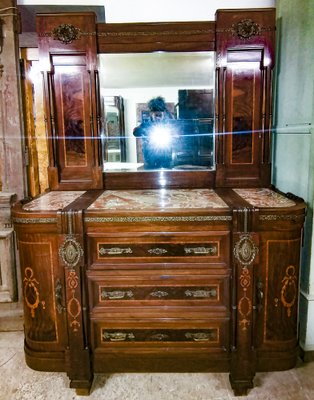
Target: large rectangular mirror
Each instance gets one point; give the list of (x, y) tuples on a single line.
[(157, 111)]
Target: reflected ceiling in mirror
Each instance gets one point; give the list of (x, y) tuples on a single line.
[(131, 85)]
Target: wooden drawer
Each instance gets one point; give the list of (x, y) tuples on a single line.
[(150, 248), (188, 287), (121, 335)]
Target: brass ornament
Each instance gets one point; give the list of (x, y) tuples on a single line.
[(200, 336), (117, 336), (71, 251), (202, 250), (245, 250), (289, 284), (116, 294), (114, 251), (159, 294), (157, 251), (66, 33), (202, 294), (31, 293), (246, 29)]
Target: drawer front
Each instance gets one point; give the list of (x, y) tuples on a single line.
[(154, 248), (120, 335), (158, 288)]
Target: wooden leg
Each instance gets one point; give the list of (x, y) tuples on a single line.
[(240, 387), (82, 388), (82, 392)]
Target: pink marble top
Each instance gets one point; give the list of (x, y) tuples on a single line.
[(52, 201), (159, 198), (264, 198)]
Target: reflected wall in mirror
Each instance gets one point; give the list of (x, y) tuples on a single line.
[(158, 111)]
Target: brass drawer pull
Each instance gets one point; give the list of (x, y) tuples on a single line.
[(201, 293), (201, 250), (199, 336), (116, 294), (159, 336), (118, 336), (114, 251), (159, 294), (157, 251)]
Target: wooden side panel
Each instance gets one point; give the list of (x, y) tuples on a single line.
[(244, 63), (33, 111), (68, 58)]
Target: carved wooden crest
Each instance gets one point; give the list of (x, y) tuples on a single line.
[(66, 33), (245, 29)]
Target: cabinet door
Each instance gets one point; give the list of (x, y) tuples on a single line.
[(42, 282), (68, 61), (245, 44), (277, 297)]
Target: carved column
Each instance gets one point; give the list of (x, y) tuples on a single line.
[(11, 154), (71, 258), (7, 257), (245, 260)]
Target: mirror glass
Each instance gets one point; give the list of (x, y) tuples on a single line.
[(157, 111)]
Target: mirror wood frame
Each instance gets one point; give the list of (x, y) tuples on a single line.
[(243, 40)]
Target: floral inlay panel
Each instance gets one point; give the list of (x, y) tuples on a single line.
[(53, 201), (160, 198), (263, 197)]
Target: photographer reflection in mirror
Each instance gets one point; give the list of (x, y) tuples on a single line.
[(156, 135)]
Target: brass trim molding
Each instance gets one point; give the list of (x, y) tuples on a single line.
[(37, 220), (281, 217), (159, 219), (157, 33)]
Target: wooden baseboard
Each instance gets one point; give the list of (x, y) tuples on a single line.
[(307, 356)]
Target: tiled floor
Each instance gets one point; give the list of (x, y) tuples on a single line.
[(18, 382)]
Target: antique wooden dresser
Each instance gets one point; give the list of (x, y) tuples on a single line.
[(170, 270)]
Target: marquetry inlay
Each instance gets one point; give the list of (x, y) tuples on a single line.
[(245, 303), (31, 292), (288, 294), (73, 305)]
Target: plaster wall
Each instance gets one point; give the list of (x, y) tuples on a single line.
[(293, 159)]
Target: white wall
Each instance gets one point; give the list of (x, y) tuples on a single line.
[(173, 10), (157, 11)]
